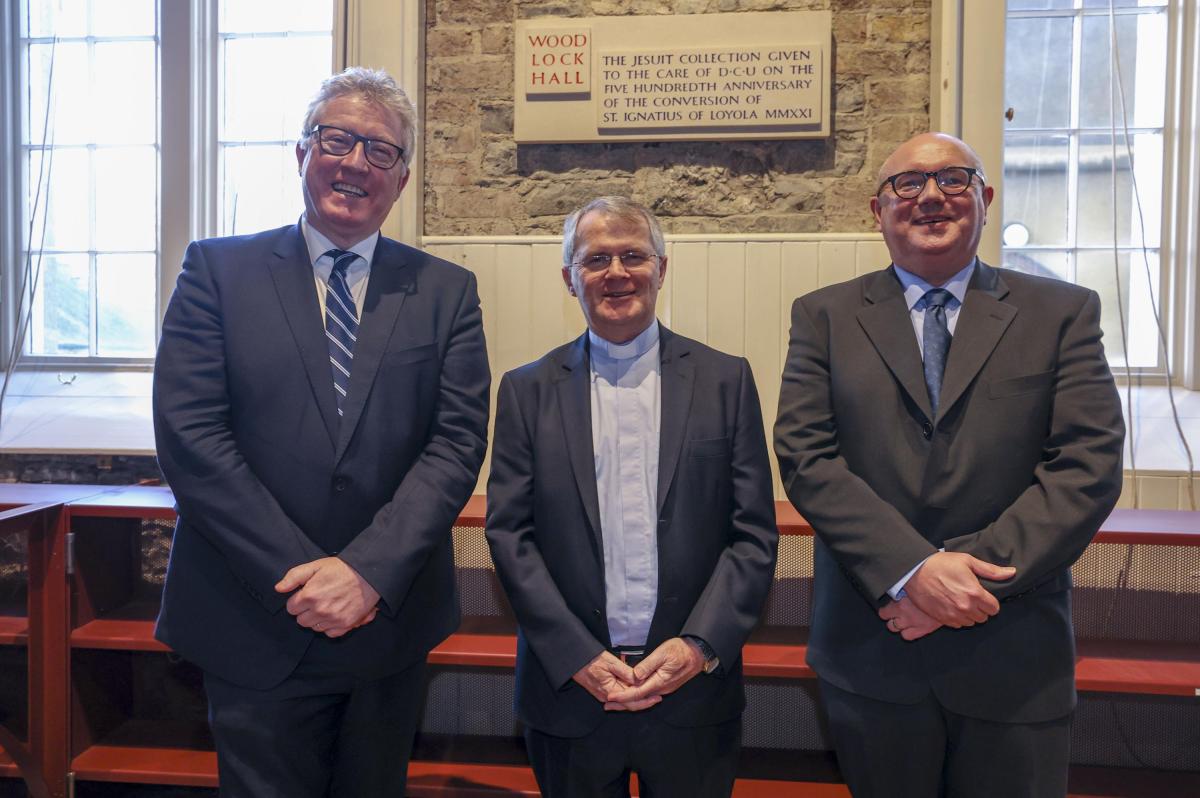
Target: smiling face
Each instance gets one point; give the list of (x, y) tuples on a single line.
[(346, 197), (617, 302), (932, 235)]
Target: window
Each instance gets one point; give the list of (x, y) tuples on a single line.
[(96, 188), (1084, 185)]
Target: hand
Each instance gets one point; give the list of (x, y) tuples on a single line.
[(906, 619), (330, 596), (604, 676), (946, 588), (665, 670)]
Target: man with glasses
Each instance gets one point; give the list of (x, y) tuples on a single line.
[(632, 526), (320, 407), (953, 434)]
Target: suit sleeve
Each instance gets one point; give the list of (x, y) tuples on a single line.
[(394, 548), (1078, 481), (872, 542), (561, 642), (733, 599), (215, 489)]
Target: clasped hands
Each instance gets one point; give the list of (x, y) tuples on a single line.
[(945, 591), (330, 597), (624, 689)]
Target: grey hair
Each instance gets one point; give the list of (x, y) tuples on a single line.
[(373, 85), (622, 208)]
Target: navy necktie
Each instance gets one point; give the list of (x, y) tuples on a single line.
[(341, 324), (935, 339)]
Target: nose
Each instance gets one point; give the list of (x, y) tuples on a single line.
[(616, 267), (357, 157), (931, 191)]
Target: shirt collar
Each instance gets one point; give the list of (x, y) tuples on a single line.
[(646, 340), (319, 244), (915, 287)]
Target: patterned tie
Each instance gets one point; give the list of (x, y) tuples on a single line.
[(341, 324), (935, 339)]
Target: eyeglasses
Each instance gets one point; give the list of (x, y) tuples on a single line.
[(338, 142), (599, 262), (951, 180)]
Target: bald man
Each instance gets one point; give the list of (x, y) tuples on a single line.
[(953, 434)]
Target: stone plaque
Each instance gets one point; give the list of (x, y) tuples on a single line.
[(654, 78)]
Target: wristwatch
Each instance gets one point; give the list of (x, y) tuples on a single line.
[(711, 660)]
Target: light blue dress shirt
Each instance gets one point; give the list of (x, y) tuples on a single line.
[(357, 274), (626, 408), (914, 289)]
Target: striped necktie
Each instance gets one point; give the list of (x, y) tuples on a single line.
[(341, 324), (935, 342)]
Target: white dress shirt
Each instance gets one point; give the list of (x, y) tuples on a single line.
[(357, 273)]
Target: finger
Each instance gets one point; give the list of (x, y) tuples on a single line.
[(890, 610), (295, 577), (650, 665), (632, 706), (990, 571)]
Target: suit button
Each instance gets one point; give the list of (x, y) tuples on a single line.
[(340, 483), (927, 430), (597, 613)]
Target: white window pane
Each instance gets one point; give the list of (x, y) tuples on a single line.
[(1097, 189), (125, 305), (66, 196), (1035, 188), (126, 198), (268, 83), (123, 17), (260, 188), (70, 120), (1138, 280), (1043, 263), (1037, 80), (1123, 3), (123, 102), (1142, 43), (264, 16), (59, 322), (56, 17)]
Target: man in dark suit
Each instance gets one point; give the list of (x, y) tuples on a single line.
[(320, 408), (631, 522), (953, 435)]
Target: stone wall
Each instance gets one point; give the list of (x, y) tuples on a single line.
[(479, 182)]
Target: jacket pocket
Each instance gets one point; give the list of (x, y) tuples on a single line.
[(708, 447), (1014, 386), (411, 354)]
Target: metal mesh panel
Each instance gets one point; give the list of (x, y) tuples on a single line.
[(790, 601), (469, 701), (1136, 731), (14, 573), (783, 714), (1129, 592), (155, 545), (478, 587)]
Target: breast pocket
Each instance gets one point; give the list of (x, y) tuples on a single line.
[(709, 447), (411, 354), (1015, 386)]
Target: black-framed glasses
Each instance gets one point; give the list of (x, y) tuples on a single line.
[(339, 142), (600, 261), (951, 180)]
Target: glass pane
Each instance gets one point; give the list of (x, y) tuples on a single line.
[(56, 17), (126, 198), (123, 17), (67, 195), (263, 16), (1043, 263), (125, 305), (1035, 190), (123, 101), (59, 325), (70, 118), (1037, 80), (1142, 43), (1099, 271), (1123, 3), (267, 84), (260, 189), (1096, 190), (1039, 5)]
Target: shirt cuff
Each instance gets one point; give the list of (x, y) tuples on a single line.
[(896, 591)]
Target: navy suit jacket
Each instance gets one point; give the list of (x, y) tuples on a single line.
[(1019, 467), (266, 476), (716, 528)]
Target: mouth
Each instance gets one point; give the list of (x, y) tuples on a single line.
[(931, 220), (617, 294), (348, 190)]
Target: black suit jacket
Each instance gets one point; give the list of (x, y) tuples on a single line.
[(266, 477), (1020, 467), (716, 528)]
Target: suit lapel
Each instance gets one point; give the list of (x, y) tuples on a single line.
[(887, 322), (982, 321), (678, 379), (573, 384), (291, 270), (390, 282)]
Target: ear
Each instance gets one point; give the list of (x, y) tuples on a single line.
[(403, 181), (662, 272), (300, 155), (566, 275), (877, 212), (988, 193)]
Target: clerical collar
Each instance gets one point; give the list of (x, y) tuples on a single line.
[(643, 343)]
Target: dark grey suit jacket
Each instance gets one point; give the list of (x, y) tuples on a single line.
[(716, 528), (266, 477), (1020, 468)]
